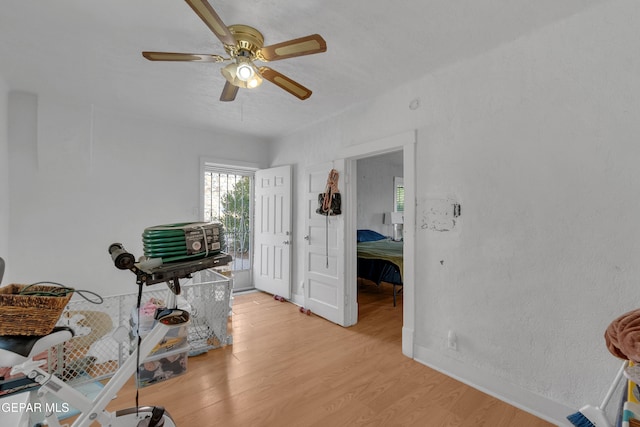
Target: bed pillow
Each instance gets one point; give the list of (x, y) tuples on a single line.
[(369, 236)]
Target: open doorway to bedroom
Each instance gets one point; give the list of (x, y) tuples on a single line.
[(379, 223), (405, 143)]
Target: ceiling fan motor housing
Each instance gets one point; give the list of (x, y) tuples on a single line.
[(248, 39)]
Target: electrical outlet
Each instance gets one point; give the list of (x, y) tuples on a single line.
[(452, 341)]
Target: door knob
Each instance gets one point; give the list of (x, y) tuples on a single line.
[(286, 242)]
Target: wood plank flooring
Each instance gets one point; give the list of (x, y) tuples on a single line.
[(288, 369)]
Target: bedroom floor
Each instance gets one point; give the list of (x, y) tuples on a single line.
[(285, 368), (370, 295)]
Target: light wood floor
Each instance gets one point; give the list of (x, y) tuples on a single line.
[(288, 369)]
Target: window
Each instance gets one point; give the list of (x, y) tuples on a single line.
[(398, 194), (228, 199)]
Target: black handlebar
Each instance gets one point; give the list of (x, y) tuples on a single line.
[(169, 273), (121, 258)]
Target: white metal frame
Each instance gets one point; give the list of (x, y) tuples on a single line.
[(94, 410)]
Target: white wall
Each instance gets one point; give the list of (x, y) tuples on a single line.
[(83, 178), (376, 190), (538, 141), (4, 170)]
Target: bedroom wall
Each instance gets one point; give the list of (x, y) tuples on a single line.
[(537, 140), (376, 190), (83, 178)]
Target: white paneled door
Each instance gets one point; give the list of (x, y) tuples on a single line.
[(272, 239), (324, 289)]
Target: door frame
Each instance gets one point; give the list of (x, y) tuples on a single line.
[(406, 142), (246, 280)]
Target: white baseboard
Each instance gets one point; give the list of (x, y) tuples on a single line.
[(297, 299), (539, 406), (407, 341)]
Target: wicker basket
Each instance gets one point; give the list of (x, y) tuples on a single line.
[(30, 314)]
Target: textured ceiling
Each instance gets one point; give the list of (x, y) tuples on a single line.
[(89, 52)]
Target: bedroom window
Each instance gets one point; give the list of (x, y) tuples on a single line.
[(227, 198), (398, 194)]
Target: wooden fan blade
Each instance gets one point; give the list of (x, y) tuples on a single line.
[(229, 92), (169, 56), (204, 10), (297, 47), (278, 79)]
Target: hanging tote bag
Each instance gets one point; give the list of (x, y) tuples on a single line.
[(330, 202)]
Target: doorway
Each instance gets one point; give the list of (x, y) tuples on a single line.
[(406, 143), (226, 195), (380, 209)]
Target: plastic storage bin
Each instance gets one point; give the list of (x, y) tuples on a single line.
[(163, 367), (176, 338)]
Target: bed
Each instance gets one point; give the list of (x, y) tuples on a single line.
[(380, 260)]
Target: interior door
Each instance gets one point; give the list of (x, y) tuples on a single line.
[(272, 238), (324, 287)]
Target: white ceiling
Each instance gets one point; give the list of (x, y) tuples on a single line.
[(89, 52)]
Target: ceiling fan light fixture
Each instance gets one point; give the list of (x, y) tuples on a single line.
[(233, 73), (230, 72), (245, 71), (254, 82)]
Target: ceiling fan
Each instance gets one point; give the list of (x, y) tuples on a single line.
[(244, 44)]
